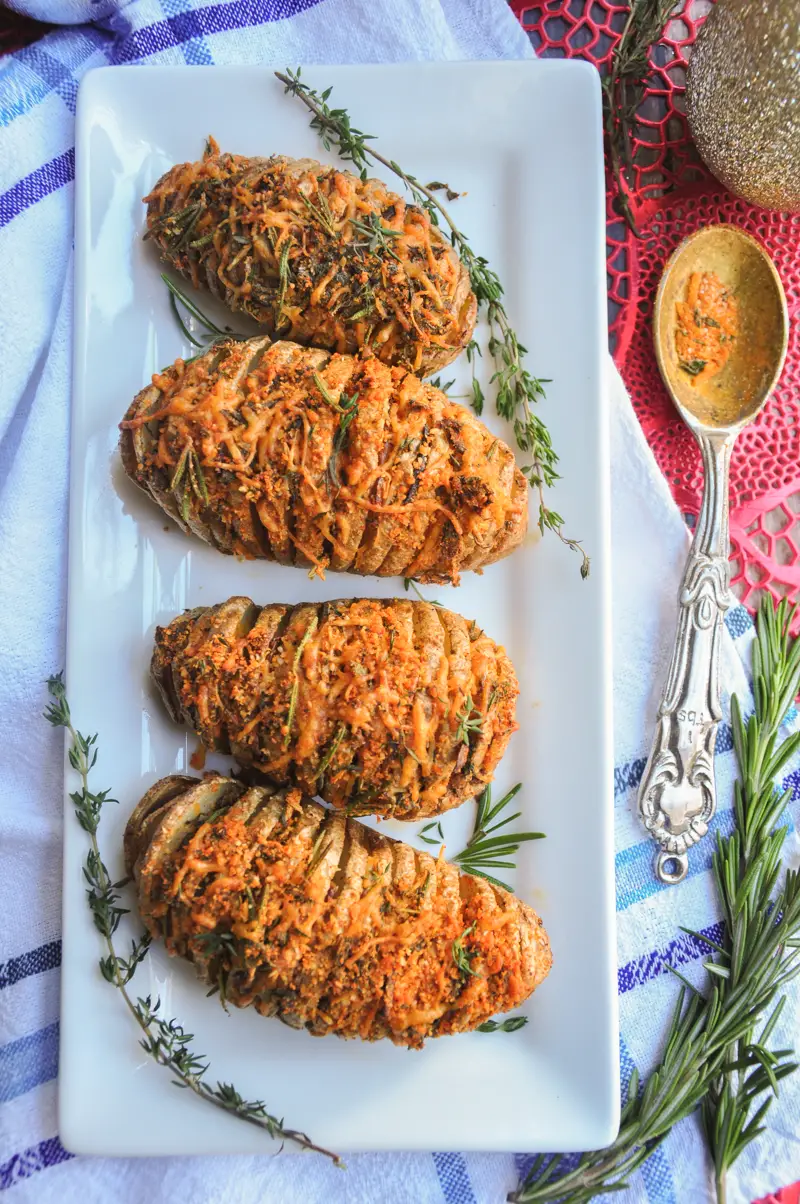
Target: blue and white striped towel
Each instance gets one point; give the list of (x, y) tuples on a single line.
[(38, 89)]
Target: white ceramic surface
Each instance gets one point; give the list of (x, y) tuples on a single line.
[(523, 141)]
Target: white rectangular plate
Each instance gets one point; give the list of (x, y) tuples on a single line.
[(523, 141)]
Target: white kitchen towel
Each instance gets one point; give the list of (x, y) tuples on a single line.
[(38, 87)]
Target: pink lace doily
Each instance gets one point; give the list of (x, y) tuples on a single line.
[(673, 194)]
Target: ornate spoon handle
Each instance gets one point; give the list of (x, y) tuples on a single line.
[(678, 796)]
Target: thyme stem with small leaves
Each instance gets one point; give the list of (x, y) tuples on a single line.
[(165, 1041), (711, 1059), (623, 89), (518, 391)]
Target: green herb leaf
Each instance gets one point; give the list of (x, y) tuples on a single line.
[(512, 1025), (470, 721), (461, 955), (484, 850), (693, 367)]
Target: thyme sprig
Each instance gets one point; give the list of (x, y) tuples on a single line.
[(712, 1057), (518, 391), (164, 1040), (485, 851), (623, 89), (376, 236)]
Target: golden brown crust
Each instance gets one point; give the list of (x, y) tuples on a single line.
[(283, 453), (322, 922), (380, 707), (316, 255)]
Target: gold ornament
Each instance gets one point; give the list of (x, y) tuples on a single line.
[(743, 99)]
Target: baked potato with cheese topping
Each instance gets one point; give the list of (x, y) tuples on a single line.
[(286, 453), (316, 255), (393, 708), (316, 919)]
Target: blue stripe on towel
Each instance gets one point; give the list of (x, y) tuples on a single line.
[(28, 1162), (453, 1178), (202, 22), (33, 73), (652, 965), (52, 73), (738, 621), (195, 49), (37, 185), (28, 1062), (35, 961), (634, 866), (657, 1178)]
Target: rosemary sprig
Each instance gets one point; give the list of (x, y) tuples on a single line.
[(712, 1057), (295, 691), (177, 294), (518, 391), (623, 89), (321, 212), (461, 955), (410, 583), (341, 407), (747, 868), (377, 237), (485, 851), (470, 721), (164, 1040), (283, 278), (215, 334), (332, 750), (188, 478), (434, 826)]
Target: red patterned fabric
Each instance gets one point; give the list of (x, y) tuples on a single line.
[(673, 194), (787, 1195)]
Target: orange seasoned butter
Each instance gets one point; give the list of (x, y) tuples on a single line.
[(707, 326)]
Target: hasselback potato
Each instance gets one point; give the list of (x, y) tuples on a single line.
[(380, 707), (289, 454), (316, 255), (320, 921)]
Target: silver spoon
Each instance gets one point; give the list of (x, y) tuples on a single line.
[(677, 796)]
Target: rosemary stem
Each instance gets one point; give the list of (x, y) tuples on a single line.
[(721, 1184)]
